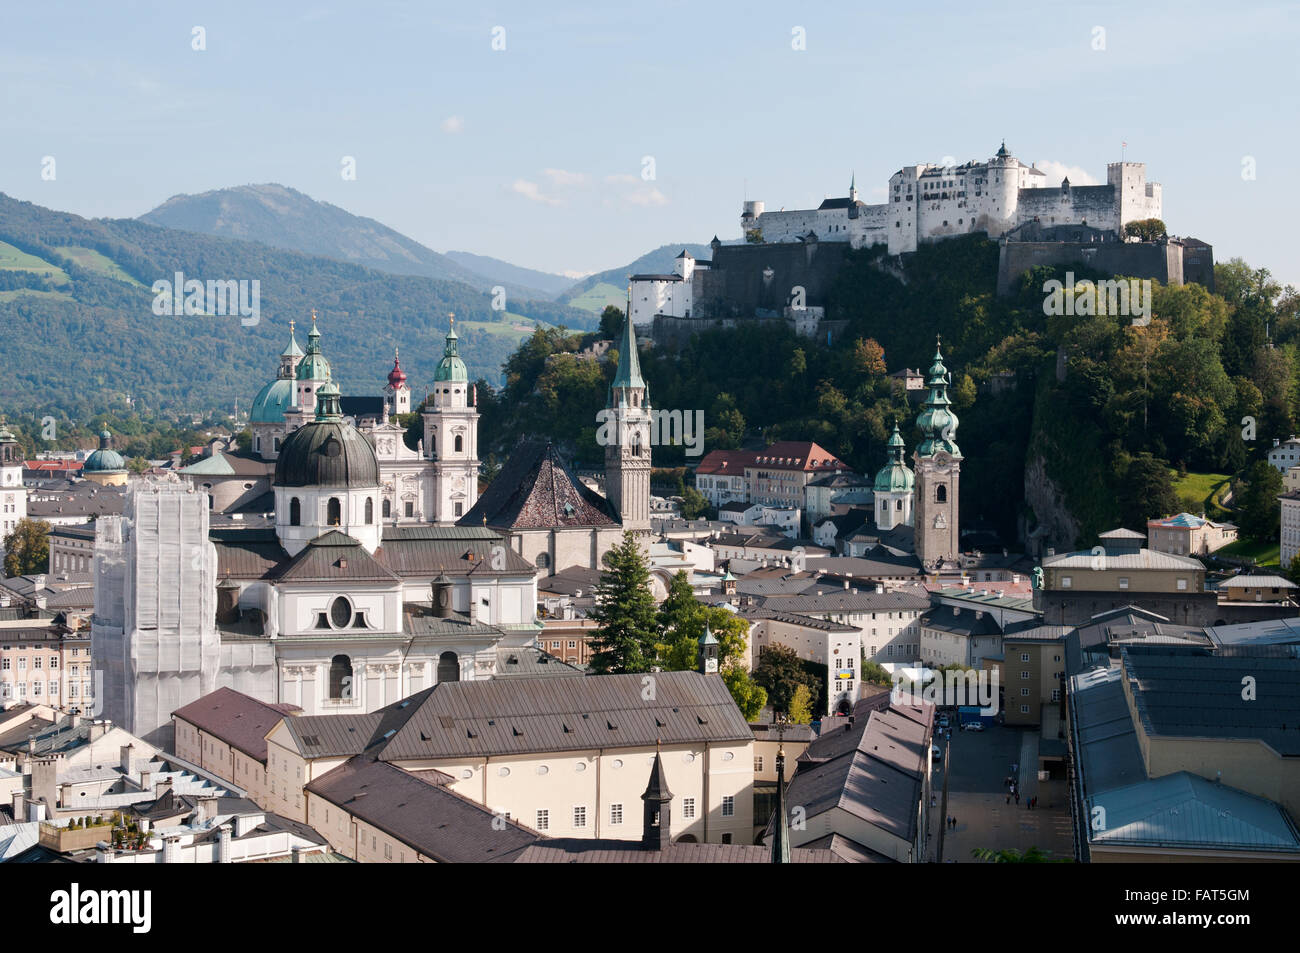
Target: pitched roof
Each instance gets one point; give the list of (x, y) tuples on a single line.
[(804, 455), (428, 817), (573, 850), (535, 490), (726, 461), (331, 557), (237, 719)]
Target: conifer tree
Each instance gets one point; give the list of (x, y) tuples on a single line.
[(624, 613)]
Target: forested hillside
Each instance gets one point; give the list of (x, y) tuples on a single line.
[(82, 336), (1084, 417)]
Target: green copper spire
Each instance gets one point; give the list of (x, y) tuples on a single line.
[(937, 421), (629, 365), (293, 350), (451, 367), (313, 367)]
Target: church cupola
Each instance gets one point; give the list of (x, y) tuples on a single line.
[(937, 421), (656, 828), (397, 394), (290, 357), (892, 490), (937, 463), (313, 371), (450, 437)]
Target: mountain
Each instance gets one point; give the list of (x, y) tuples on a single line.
[(82, 334), (286, 218), (502, 272), (610, 287)]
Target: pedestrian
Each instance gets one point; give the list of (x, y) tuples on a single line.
[(1017, 800), (1008, 798), (954, 823), (932, 801)]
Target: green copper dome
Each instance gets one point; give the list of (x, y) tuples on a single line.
[(271, 402), (894, 477), (451, 367), (313, 367), (105, 459)]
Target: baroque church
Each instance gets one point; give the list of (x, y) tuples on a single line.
[(383, 574)]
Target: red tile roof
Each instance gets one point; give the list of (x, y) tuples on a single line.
[(798, 455)]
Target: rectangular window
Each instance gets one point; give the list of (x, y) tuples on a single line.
[(39, 662), (1024, 676), (728, 805), (1024, 709), (22, 664), (1066, 582), (1024, 693), (758, 763), (616, 813), (688, 808), (1182, 585), (580, 817), (1024, 656), (1123, 582), (54, 661), (543, 820)]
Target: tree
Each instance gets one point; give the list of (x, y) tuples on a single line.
[(1293, 570), (611, 323), (27, 548), (624, 613), (869, 357), (1257, 505), (801, 706), (1145, 230), (694, 504), (781, 672), (749, 696), (873, 673)]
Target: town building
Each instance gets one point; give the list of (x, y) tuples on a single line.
[(13, 494), (1284, 454), (1289, 526), (1186, 535)]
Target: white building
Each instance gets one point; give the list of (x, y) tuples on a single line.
[(930, 202), (1285, 454), (1290, 520), (669, 294), (13, 495)]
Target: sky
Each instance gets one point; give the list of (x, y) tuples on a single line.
[(573, 138)]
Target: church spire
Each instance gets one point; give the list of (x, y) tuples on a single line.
[(781, 836), (937, 421), (628, 374), (656, 833)]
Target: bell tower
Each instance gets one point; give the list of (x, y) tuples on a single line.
[(451, 438), (625, 432), (937, 462)]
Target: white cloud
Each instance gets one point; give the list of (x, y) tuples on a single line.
[(532, 192), (577, 275), (453, 125), (621, 179), (1056, 171), (561, 177), (651, 196)]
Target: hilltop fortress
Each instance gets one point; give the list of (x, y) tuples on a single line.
[(932, 202), (786, 266)]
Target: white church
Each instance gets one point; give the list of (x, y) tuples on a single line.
[(366, 589)]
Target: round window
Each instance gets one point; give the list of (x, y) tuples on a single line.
[(728, 755), (543, 769), (618, 763), (580, 766), (467, 773), (340, 613), (504, 772)]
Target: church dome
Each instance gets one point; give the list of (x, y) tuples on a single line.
[(105, 459), (894, 477), (451, 367), (397, 376), (314, 366), (271, 402), (327, 453)]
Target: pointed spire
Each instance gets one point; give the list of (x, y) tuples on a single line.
[(629, 364), (313, 336), (781, 835)]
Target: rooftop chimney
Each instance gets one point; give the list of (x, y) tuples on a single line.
[(223, 844)]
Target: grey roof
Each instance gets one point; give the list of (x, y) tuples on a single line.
[(333, 736), (844, 600), (237, 719), (444, 550), (1142, 559), (1121, 533), (420, 621), (536, 490), (572, 850), (1261, 581), (847, 850), (332, 557), (960, 621), (527, 661), (459, 719), (1183, 810), (1191, 693), (429, 818), (326, 453), (1263, 632), (570, 581), (878, 561), (1106, 748), (792, 618)]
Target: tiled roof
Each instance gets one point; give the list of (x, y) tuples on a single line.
[(528, 662), (840, 600), (237, 719), (729, 462), (804, 455), (427, 554), (534, 490), (586, 851)]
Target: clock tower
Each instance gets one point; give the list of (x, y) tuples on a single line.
[(937, 465), (627, 452)]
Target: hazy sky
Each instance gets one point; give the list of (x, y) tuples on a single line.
[(534, 153)]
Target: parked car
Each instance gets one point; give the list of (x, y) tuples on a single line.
[(973, 726), (936, 753), (943, 721)]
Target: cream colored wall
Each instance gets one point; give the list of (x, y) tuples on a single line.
[(839, 821), (1246, 764), (189, 744), (1139, 580), (597, 780), (767, 751)]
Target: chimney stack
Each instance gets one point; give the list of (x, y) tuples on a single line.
[(223, 844)]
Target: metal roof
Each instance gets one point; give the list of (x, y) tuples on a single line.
[(332, 557), (237, 719)]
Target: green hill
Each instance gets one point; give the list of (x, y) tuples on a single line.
[(77, 306)]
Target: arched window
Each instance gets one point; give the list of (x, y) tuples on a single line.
[(941, 493), (460, 443), (334, 512), (341, 678), (295, 512), (257, 444), (388, 508), (448, 667), (370, 510), (898, 504), (543, 560)]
